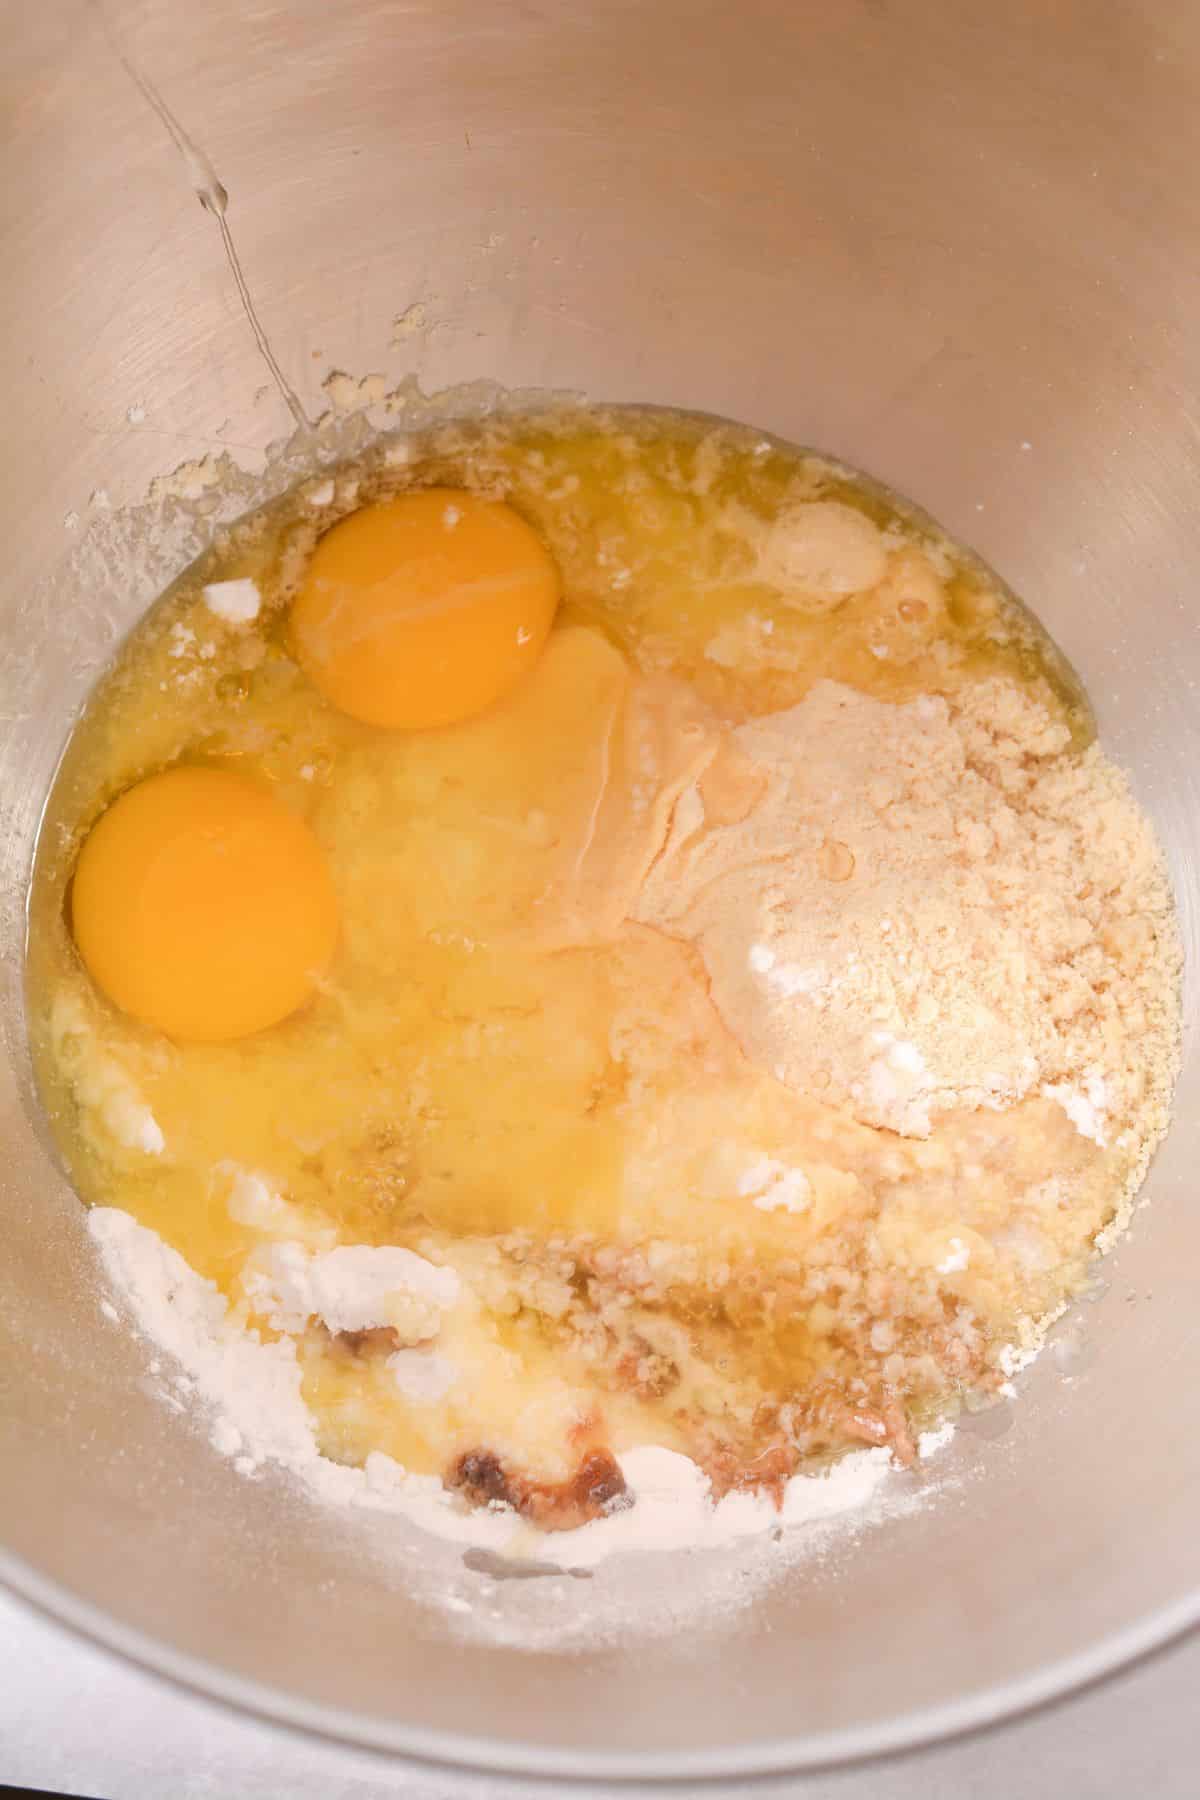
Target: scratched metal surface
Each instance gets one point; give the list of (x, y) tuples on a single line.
[(76, 1719), (956, 246)]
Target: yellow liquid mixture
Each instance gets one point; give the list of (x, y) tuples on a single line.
[(508, 1072)]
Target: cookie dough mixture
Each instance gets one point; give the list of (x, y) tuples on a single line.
[(739, 1036)]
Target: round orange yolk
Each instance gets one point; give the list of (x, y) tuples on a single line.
[(423, 610), (202, 906)]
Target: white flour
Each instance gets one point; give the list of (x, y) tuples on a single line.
[(100, 1081), (237, 602), (772, 1185), (908, 910), (357, 1287), (1084, 1105), (257, 1416)]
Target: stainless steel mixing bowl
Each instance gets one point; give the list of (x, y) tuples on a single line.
[(956, 244)]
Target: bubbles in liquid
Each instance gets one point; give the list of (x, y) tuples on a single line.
[(836, 860), (1073, 1350)]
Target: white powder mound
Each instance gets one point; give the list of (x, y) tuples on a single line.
[(252, 1387), (909, 909), (237, 602), (357, 1287), (257, 1416)]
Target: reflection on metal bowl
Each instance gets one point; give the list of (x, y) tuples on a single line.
[(955, 247)]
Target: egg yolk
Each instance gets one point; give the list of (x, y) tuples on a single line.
[(202, 906), (423, 610)]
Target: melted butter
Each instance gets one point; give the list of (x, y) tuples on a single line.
[(493, 1060)]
